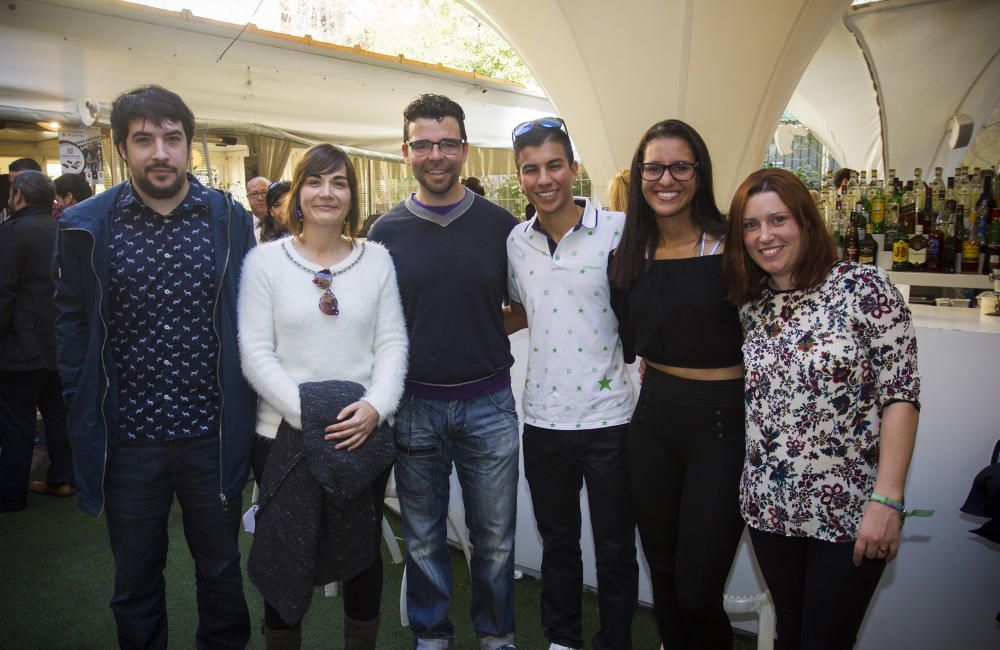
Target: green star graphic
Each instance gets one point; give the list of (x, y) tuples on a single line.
[(579, 349), (577, 425), (580, 310), (582, 271), (555, 310), (604, 423), (536, 349), (553, 389), (590, 233), (579, 389), (605, 383), (554, 350), (605, 349)]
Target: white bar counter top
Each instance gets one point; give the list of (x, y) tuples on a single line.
[(962, 319)]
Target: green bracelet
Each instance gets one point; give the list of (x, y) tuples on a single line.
[(898, 506)]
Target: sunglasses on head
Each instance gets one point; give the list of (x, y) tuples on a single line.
[(525, 128)]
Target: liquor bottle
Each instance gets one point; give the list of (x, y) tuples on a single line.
[(970, 251), (868, 248), (926, 216), (963, 192), (961, 236), (851, 241), (901, 253), (994, 242), (937, 185), (951, 247), (949, 194), (908, 209), (918, 250), (935, 245), (878, 208), (918, 185), (863, 182), (853, 191), (863, 216), (891, 208)]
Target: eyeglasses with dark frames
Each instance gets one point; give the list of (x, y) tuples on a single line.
[(447, 147), (257, 195), (679, 171), (328, 303), (525, 128)]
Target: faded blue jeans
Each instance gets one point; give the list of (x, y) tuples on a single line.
[(480, 436)]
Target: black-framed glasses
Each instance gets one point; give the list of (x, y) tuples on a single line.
[(541, 123), (328, 303), (447, 147), (257, 195), (679, 171)]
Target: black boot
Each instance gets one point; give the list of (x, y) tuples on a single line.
[(360, 635), (288, 639)]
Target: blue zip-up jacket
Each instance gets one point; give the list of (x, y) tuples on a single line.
[(81, 274)]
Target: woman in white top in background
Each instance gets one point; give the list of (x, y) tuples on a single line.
[(318, 306)]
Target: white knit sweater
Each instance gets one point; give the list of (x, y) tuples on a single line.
[(285, 339)]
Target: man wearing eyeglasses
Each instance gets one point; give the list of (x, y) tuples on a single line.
[(257, 194), (577, 397), (448, 246)]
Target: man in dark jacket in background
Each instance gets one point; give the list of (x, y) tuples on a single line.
[(146, 278), (28, 377)]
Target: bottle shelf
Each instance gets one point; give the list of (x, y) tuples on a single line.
[(956, 280)]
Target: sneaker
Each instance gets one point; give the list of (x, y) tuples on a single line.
[(556, 646)]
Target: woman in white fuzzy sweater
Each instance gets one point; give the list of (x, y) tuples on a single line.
[(320, 306)]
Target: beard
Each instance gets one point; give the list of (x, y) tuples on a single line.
[(156, 191), (437, 184)]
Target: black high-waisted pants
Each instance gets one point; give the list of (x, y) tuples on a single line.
[(685, 456)]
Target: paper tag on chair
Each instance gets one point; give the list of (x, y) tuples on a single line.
[(250, 518)]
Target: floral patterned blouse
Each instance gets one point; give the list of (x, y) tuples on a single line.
[(821, 363)]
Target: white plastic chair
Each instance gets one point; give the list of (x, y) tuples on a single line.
[(759, 604)]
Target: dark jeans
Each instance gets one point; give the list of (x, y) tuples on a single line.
[(139, 487), (20, 394), (685, 457), (820, 597), (556, 463), (363, 592)]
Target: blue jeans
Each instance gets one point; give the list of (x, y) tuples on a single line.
[(140, 485), (480, 435)]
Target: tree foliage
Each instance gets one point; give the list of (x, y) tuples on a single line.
[(434, 31)]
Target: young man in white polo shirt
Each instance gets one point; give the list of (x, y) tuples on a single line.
[(577, 396)]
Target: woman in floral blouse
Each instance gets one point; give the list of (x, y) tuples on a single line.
[(832, 403)]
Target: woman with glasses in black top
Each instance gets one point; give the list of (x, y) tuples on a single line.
[(686, 438)]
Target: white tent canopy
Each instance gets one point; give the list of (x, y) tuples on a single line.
[(886, 82), (612, 69), (70, 51)]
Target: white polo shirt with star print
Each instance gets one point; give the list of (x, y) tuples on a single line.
[(576, 377)]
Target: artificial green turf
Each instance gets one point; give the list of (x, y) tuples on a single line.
[(56, 578)]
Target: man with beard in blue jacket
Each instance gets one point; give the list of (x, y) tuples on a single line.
[(146, 277)]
